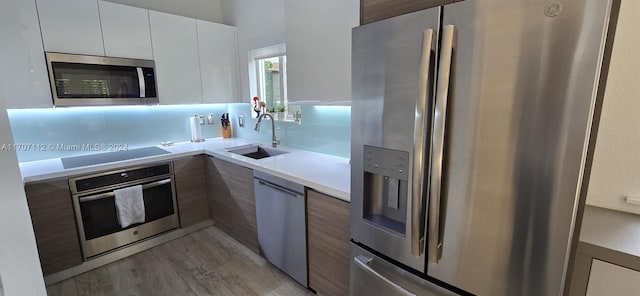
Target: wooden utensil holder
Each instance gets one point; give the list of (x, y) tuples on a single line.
[(226, 132)]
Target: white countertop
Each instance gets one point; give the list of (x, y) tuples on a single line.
[(324, 173), (611, 229)]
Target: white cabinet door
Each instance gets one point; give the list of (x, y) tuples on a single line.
[(23, 70), (125, 31), (175, 49), (71, 26), (319, 48), (609, 279), (218, 62)]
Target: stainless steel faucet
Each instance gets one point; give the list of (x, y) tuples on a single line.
[(274, 141)]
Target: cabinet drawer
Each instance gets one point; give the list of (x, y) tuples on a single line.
[(611, 279)]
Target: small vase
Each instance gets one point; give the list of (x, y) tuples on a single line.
[(280, 115)]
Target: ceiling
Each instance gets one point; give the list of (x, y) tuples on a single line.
[(219, 11)]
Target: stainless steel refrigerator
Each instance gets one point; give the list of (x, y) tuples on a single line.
[(471, 124)]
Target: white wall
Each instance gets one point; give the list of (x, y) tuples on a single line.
[(210, 10), (260, 23), (616, 166), (228, 12), (19, 264)]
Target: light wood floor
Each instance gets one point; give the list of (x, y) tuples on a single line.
[(207, 262)]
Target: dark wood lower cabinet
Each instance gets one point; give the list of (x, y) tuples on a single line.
[(232, 201), (54, 225), (375, 10), (205, 187), (219, 196), (191, 192), (328, 244)]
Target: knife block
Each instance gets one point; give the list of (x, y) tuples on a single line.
[(226, 132)]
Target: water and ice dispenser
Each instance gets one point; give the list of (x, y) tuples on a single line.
[(386, 175)]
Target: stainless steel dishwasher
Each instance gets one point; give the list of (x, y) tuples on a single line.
[(282, 224)]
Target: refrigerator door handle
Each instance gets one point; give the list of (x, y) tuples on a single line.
[(437, 154), (417, 206), (363, 262)]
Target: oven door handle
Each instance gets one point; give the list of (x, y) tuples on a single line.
[(112, 194)]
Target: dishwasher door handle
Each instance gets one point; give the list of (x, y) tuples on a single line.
[(279, 188)]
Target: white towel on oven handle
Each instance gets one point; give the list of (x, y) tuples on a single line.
[(129, 205)]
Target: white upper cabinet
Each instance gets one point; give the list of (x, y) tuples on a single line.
[(196, 61), (125, 31), (319, 48), (175, 50), (23, 71), (218, 62), (71, 26)]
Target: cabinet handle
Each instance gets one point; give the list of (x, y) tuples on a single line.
[(632, 200)]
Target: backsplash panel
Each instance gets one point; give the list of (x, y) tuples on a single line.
[(133, 126), (324, 129)]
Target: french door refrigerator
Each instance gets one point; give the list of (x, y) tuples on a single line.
[(470, 130)]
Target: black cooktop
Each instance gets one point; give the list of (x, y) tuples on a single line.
[(100, 158)]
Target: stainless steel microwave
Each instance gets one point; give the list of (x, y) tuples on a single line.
[(82, 80)]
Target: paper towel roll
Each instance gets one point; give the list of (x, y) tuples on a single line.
[(196, 132)]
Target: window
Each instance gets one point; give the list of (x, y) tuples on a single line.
[(268, 80), (272, 85)]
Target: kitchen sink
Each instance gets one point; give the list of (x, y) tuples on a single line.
[(255, 151)]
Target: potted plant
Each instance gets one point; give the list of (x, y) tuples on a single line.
[(271, 110), (280, 110)]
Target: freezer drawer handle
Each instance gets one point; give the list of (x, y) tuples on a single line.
[(437, 155), (419, 143), (112, 194), (363, 262)]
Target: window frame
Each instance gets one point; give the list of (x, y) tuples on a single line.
[(255, 83)]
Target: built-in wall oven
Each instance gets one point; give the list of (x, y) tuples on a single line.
[(95, 207), (81, 80)]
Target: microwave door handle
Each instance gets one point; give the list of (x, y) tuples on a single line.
[(112, 194), (437, 148), (419, 143), (141, 82)]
